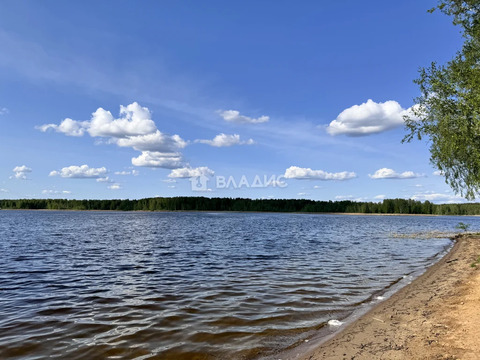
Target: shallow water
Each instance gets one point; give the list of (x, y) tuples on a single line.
[(116, 285)]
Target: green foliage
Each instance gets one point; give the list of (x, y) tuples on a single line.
[(475, 263), (388, 206), (448, 109), (462, 226)]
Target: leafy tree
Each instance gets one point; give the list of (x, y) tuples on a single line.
[(448, 110)]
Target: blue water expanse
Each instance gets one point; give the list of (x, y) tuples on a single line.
[(157, 285)]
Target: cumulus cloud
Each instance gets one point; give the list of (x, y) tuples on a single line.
[(134, 120), (187, 172), (68, 127), (223, 140), (20, 172), (133, 128), (115, 186), (3, 111), (235, 117), (80, 172), (386, 173), (158, 159), (379, 197), (295, 172), (368, 118), (156, 141), (438, 197)]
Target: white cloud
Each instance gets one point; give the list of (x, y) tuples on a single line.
[(379, 197), (188, 172), (20, 172), (169, 180), (438, 197), (134, 120), (302, 194), (80, 172), (386, 173), (438, 173), (105, 179), (115, 186), (158, 159), (133, 172), (156, 141), (223, 140), (56, 192), (134, 128), (295, 172), (68, 127), (3, 111), (368, 118), (4, 190), (235, 117)]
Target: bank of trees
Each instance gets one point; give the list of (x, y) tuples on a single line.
[(388, 206)]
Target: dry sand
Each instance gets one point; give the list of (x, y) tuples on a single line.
[(437, 316)]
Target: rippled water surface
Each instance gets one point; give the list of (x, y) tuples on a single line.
[(87, 285)]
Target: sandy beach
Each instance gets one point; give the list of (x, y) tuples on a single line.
[(437, 316)]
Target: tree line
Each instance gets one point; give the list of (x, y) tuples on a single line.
[(387, 206)]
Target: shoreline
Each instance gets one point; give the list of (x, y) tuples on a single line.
[(434, 317), (240, 212)]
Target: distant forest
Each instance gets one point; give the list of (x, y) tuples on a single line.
[(388, 206)]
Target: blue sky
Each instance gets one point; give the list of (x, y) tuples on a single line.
[(125, 99)]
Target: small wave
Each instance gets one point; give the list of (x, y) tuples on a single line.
[(424, 235), (334, 322)]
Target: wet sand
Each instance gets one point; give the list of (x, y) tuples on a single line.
[(437, 316)]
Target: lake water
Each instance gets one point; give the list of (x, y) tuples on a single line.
[(112, 285)]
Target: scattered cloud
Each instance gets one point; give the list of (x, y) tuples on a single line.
[(188, 172), (223, 140), (235, 117), (68, 127), (105, 179), (350, 198), (438, 173), (302, 194), (379, 197), (133, 173), (4, 190), (56, 192), (438, 197), (115, 186), (368, 118), (386, 173), (20, 172), (133, 128), (158, 160), (171, 186), (156, 141), (169, 180), (295, 172), (80, 172), (3, 111), (134, 120)]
